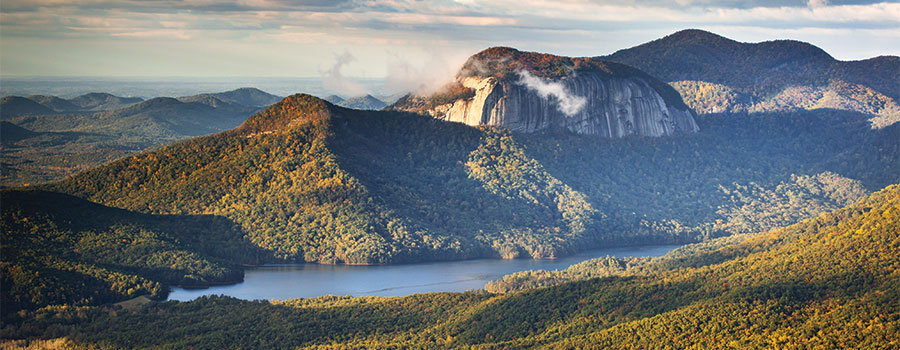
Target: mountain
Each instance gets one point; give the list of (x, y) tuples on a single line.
[(74, 141), (59, 249), (150, 121), (10, 133), (55, 103), (12, 106), (367, 102), (765, 72), (827, 282), (334, 99), (311, 181), (211, 100), (705, 97), (529, 92), (99, 101), (248, 97), (180, 118), (755, 68)]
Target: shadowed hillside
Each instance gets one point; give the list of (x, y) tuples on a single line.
[(827, 282)]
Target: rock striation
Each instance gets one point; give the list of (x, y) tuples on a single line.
[(529, 92)]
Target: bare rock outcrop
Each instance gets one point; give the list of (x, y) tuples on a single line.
[(528, 92)]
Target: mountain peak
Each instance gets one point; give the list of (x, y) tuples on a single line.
[(531, 91), (17, 105), (291, 111), (695, 35), (366, 102), (334, 99), (758, 68), (103, 101), (501, 62), (248, 96)]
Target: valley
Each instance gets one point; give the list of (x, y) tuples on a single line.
[(529, 188)]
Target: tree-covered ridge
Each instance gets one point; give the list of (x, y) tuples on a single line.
[(12, 106), (288, 113), (502, 61), (751, 208), (448, 94), (758, 69), (354, 187), (828, 282), (310, 181), (705, 97), (58, 249)]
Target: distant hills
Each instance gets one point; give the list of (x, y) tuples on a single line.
[(75, 134), (55, 103), (102, 101), (366, 102), (10, 133), (781, 74), (12, 106), (248, 97)]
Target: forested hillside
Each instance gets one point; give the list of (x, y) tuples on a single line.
[(706, 98), (58, 249), (755, 68), (715, 74), (827, 282), (310, 181)]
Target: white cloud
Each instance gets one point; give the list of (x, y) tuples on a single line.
[(316, 28), (158, 33), (440, 69), (566, 102), (335, 81), (817, 3)]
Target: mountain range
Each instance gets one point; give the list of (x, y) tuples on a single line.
[(367, 102), (782, 174), (717, 74), (310, 181), (67, 136)]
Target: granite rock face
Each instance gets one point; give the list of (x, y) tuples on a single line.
[(614, 102)]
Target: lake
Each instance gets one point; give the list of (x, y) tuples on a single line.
[(279, 282)]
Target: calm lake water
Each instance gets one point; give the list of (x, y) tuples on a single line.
[(281, 282)]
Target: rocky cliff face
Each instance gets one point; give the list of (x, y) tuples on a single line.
[(528, 92)]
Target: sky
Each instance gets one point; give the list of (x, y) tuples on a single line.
[(406, 40)]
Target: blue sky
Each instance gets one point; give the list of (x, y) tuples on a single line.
[(408, 40)]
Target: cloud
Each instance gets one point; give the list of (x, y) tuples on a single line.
[(334, 81), (566, 102), (160, 33), (314, 29), (440, 70)]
